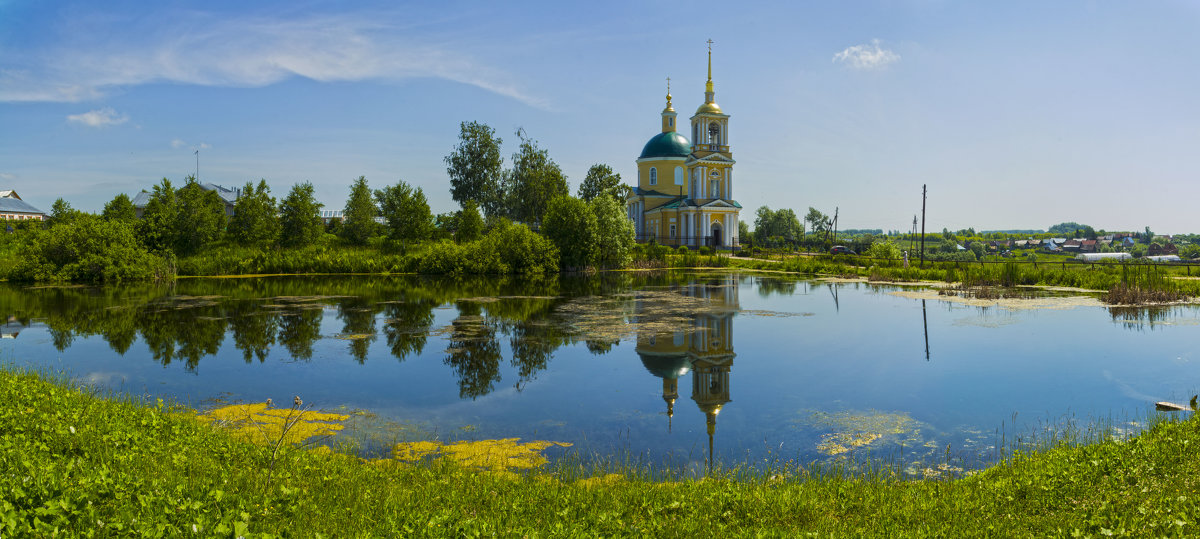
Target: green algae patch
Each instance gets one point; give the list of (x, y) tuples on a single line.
[(258, 423), (503, 455), (354, 336), (850, 430)]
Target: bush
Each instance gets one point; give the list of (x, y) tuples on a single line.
[(88, 249), (885, 250)]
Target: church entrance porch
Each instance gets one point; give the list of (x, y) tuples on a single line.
[(715, 239)]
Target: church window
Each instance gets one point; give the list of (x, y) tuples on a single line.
[(653, 176), (672, 231), (678, 175), (671, 122), (716, 189)]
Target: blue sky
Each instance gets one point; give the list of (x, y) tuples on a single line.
[(1016, 114)]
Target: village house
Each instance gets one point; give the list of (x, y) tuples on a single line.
[(228, 196), (12, 208), (1159, 250)]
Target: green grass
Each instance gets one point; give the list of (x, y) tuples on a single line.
[(77, 463)]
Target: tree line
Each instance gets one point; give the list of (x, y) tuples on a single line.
[(530, 199)]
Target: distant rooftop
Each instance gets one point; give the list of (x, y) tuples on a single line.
[(16, 205)]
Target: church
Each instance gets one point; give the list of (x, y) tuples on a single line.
[(684, 192)]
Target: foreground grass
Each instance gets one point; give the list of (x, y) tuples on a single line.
[(78, 464)]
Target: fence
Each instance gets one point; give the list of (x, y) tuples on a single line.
[(690, 241)]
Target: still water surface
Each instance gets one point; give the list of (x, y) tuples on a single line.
[(648, 367)]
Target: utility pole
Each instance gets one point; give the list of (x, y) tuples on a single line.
[(835, 216), (912, 235), (197, 166), (924, 192)]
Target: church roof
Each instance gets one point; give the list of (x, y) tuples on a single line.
[(638, 191), (668, 144), (681, 202), (666, 366), (685, 202)]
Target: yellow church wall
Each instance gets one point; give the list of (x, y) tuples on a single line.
[(665, 177)]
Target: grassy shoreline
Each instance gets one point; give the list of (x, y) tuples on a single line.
[(80, 463)]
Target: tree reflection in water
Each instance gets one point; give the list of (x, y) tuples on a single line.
[(189, 319)]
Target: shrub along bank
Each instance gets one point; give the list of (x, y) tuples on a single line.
[(75, 463)]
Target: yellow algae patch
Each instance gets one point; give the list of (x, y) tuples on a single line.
[(493, 455), (600, 481), (851, 430), (415, 451), (256, 423), (354, 336), (842, 442)]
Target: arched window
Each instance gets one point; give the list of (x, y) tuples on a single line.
[(678, 175), (653, 176)]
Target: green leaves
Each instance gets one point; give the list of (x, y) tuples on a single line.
[(406, 211), (358, 224)]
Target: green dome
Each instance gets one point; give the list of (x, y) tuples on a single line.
[(666, 366), (669, 144)]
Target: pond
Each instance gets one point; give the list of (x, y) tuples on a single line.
[(665, 368)]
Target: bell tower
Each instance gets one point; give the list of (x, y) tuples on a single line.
[(710, 126)]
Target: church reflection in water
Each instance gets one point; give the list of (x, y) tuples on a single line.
[(703, 349)]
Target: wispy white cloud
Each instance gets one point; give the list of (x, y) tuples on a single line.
[(866, 57), (180, 143), (210, 51), (99, 118), (6, 176)]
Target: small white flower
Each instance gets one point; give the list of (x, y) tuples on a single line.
[(72, 429), (194, 528)]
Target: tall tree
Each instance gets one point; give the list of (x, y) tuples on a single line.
[(61, 213), (300, 217), (200, 219), (358, 223), (120, 208), (764, 221), (535, 181), (156, 228), (600, 179), (787, 225), (407, 212), (255, 216), (469, 224), (571, 225), (475, 168), (818, 222), (614, 232)]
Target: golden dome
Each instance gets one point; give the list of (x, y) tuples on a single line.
[(709, 107)]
